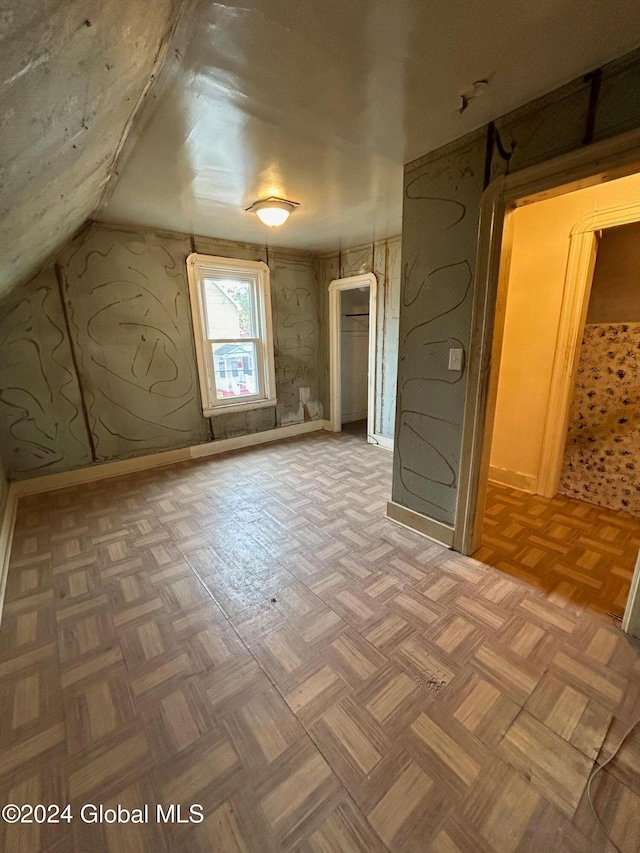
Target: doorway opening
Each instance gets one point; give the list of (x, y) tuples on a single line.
[(352, 333), (523, 514), (354, 355)]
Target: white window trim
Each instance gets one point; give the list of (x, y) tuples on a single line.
[(199, 266)]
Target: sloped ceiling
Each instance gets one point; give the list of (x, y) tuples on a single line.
[(71, 76), (321, 102)]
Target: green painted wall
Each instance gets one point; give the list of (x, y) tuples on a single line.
[(439, 234), (97, 358), (382, 258)]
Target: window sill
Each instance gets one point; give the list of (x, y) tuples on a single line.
[(230, 408)]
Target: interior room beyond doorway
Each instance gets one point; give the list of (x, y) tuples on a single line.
[(354, 361), (565, 387)]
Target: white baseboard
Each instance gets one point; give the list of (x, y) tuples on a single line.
[(381, 441), (106, 470), (513, 479), (355, 416), (7, 523), (265, 437), (429, 527)]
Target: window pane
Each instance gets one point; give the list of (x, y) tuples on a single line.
[(229, 308), (235, 369)]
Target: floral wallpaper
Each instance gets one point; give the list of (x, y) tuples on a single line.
[(602, 455)]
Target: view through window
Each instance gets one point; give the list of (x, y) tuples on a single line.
[(232, 322)]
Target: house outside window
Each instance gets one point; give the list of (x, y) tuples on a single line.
[(231, 309)]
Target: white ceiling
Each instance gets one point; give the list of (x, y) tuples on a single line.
[(323, 103)]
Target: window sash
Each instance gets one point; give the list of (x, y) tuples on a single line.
[(254, 300), (256, 273), (258, 369)]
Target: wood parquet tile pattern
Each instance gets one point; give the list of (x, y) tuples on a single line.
[(251, 634), (583, 551)]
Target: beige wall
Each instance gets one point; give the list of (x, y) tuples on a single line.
[(536, 283), (615, 294)]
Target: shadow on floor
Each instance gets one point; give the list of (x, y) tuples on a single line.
[(356, 428)]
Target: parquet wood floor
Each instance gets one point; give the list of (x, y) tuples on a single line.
[(249, 633), (580, 551)]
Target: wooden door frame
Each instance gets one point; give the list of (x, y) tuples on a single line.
[(336, 287), (588, 166), (583, 245)]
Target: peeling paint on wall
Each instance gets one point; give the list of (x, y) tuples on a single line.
[(296, 331), (298, 354)]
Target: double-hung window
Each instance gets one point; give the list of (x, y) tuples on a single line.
[(231, 308)]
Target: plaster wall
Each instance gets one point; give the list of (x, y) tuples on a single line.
[(439, 231), (535, 292), (383, 259), (42, 427), (97, 354), (615, 293), (442, 192)]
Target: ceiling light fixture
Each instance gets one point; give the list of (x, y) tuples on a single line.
[(273, 211)]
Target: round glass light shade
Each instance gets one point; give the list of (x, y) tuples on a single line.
[(272, 212)]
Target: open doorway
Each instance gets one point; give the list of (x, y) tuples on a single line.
[(354, 359), (542, 513), (352, 331), (601, 459)]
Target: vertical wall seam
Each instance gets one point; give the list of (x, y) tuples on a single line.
[(74, 361), (488, 156), (383, 342), (595, 79)]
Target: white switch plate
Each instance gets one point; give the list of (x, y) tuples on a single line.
[(455, 359)]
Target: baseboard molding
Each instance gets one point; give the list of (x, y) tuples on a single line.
[(514, 480), (429, 527), (265, 437), (381, 441), (355, 416), (107, 470), (7, 523)]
